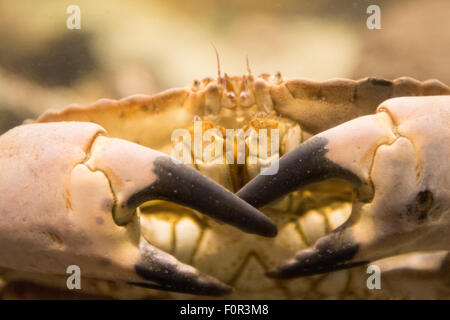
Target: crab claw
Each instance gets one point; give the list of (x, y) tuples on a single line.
[(397, 161), (69, 195), (139, 174)]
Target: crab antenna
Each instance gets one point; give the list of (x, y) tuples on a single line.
[(248, 65), (218, 60)]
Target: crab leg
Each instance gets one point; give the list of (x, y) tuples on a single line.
[(69, 195), (397, 161)]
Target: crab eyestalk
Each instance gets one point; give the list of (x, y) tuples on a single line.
[(399, 170)]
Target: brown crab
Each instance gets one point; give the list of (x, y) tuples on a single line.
[(78, 205)]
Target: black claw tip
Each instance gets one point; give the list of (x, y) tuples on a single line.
[(203, 285), (331, 253), (164, 272), (292, 270), (305, 165)]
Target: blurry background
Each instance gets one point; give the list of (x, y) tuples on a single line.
[(128, 47)]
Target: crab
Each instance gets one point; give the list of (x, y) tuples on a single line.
[(94, 186)]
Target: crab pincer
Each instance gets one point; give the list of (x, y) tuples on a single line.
[(397, 161), (69, 194)]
